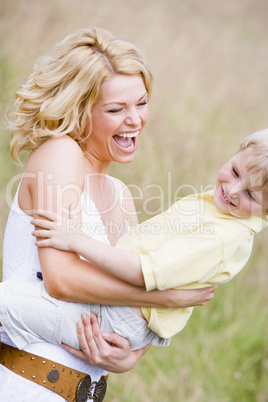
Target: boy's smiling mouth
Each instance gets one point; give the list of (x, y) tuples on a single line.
[(225, 198)]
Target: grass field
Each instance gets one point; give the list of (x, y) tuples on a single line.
[(210, 65)]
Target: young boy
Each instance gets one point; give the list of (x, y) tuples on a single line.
[(201, 240)]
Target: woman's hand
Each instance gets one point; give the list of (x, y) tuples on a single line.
[(190, 297), (108, 351)]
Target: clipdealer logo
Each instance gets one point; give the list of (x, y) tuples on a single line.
[(51, 194)]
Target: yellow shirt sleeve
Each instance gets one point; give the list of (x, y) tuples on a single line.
[(182, 260)]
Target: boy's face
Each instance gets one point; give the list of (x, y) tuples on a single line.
[(237, 191)]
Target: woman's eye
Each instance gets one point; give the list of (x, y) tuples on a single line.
[(143, 103), (235, 172), (114, 110)]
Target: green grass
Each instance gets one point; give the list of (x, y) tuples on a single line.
[(210, 67)]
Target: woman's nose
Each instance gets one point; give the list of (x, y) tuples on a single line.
[(133, 118)]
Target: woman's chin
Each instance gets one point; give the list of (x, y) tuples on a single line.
[(125, 158)]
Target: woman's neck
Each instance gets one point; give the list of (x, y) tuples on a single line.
[(95, 165), (96, 171)]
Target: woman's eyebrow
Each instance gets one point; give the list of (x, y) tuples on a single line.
[(124, 103)]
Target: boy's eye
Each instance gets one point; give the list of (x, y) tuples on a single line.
[(235, 172), (249, 194)]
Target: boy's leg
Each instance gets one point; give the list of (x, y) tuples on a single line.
[(71, 316), (27, 313)]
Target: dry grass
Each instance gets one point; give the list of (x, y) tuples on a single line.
[(210, 65)]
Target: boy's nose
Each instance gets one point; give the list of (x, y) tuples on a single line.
[(236, 188)]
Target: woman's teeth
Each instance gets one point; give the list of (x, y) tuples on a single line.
[(127, 140), (129, 135)]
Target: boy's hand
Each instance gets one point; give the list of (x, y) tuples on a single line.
[(54, 231)]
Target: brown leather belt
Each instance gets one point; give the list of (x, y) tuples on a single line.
[(70, 384)]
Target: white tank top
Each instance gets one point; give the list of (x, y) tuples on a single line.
[(20, 258)]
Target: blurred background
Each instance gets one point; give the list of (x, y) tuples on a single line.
[(209, 60)]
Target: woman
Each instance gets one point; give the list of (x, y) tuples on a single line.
[(83, 107)]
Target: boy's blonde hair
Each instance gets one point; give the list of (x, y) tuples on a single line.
[(58, 96), (257, 145)]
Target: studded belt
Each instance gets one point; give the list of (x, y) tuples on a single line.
[(70, 384)]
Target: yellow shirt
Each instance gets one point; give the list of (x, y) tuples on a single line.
[(191, 245)]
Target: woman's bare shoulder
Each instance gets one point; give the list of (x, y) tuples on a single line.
[(61, 157), (59, 150), (61, 147)]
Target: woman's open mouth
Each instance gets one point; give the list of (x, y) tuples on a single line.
[(126, 142)]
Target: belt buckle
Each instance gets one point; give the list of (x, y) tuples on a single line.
[(94, 391)]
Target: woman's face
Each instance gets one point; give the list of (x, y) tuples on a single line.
[(118, 118)]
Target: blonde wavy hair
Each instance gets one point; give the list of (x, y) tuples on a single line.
[(257, 146), (58, 96)]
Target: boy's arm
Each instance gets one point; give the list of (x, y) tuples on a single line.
[(120, 263), (56, 233)]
